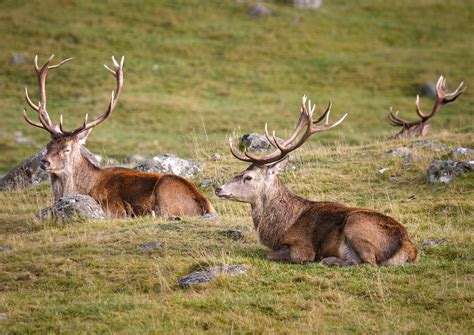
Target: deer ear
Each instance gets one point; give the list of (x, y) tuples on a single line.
[(278, 167), (82, 136)]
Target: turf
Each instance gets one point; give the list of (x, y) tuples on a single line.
[(197, 72)]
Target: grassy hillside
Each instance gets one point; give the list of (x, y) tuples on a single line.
[(197, 72)]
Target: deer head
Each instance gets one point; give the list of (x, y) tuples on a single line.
[(262, 174), (64, 148), (421, 127)]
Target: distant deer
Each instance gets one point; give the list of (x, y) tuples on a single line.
[(299, 230), (421, 127), (120, 191)]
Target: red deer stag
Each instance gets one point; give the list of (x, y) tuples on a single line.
[(299, 230), (120, 191), (421, 127)]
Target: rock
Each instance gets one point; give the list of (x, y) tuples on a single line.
[(210, 273), (210, 217), (314, 4), (430, 145), (427, 89), (259, 10), (441, 171), (206, 182), (5, 248), (135, 158), (462, 152), (171, 164), (22, 140), (28, 173), (174, 218), (3, 316), (72, 207), (404, 153), (151, 246), (233, 234), (18, 59), (254, 142), (383, 170), (216, 156), (430, 244)]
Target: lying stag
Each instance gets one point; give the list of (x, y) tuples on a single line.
[(421, 127), (299, 230), (120, 191)]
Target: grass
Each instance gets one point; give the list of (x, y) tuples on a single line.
[(195, 73)]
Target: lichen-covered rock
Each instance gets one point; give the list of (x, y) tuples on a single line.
[(404, 153), (28, 173), (71, 208), (441, 171), (259, 10), (210, 273), (254, 142), (431, 145), (171, 164), (462, 152), (314, 4)]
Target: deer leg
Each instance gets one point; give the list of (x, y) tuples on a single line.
[(280, 255), (302, 254)]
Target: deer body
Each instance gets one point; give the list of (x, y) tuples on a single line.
[(298, 230), (120, 191)]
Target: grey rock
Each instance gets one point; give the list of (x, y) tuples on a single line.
[(462, 152), (5, 248), (427, 90), (71, 208), (171, 164), (18, 59), (216, 156), (135, 158), (259, 10), (404, 153), (254, 142), (430, 145), (210, 217), (174, 218), (151, 246), (28, 173), (206, 182), (441, 171), (3, 316), (313, 4), (431, 243), (233, 234), (210, 273), (383, 170), (22, 140)]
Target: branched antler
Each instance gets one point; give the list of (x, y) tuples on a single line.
[(305, 121)]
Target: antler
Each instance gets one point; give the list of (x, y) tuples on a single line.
[(117, 72), (285, 147), (443, 97), (45, 120)]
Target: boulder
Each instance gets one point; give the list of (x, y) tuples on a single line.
[(254, 142), (259, 10), (313, 4), (210, 273), (72, 207), (441, 171), (171, 164), (28, 173)]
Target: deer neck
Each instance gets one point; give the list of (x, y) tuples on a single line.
[(274, 212), (77, 178)]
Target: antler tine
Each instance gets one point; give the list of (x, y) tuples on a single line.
[(28, 120), (394, 120), (237, 154)]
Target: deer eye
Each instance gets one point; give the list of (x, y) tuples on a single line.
[(247, 178), (67, 151)]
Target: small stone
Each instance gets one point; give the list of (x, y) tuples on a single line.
[(441, 171), (233, 234), (206, 182), (151, 246), (210, 273), (462, 152), (210, 216), (22, 140), (216, 156), (383, 170), (5, 248), (70, 208), (312, 4), (431, 243), (18, 59), (3, 316), (174, 218), (259, 10), (404, 153)]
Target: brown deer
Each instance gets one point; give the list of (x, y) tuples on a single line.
[(300, 230), (421, 127), (120, 191)]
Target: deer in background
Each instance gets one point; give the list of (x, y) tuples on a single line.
[(298, 230), (421, 127), (120, 191)]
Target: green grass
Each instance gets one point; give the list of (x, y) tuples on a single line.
[(195, 73)]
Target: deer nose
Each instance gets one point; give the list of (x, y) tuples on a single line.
[(217, 190), (44, 164)]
